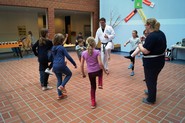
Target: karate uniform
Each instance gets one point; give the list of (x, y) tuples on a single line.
[(106, 43)]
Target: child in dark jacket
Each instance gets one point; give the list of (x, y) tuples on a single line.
[(59, 64), (40, 49)]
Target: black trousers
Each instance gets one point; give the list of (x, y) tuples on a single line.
[(151, 76), (43, 76), (132, 59)]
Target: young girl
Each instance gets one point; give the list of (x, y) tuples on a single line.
[(59, 65), (48, 70), (94, 67), (133, 42), (40, 49)]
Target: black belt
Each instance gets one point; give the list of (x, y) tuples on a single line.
[(104, 45)]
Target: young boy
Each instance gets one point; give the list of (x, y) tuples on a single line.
[(80, 48)]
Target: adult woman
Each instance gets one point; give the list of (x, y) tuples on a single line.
[(40, 49), (153, 59)]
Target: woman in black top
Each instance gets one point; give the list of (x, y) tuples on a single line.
[(40, 49), (153, 59)]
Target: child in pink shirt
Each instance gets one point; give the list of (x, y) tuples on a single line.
[(94, 67)]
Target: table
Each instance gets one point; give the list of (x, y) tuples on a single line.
[(69, 47), (12, 44), (178, 52)]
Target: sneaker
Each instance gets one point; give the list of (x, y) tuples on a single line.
[(48, 71), (130, 66), (146, 92), (100, 87), (132, 73), (63, 96), (147, 102), (128, 57), (62, 89), (93, 106), (47, 88)]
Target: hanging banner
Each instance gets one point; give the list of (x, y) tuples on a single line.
[(138, 4), (130, 15), (148, 3), (142, 15)]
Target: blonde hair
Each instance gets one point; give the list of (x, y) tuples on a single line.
[(153, 23), (43, 36), (91, 45), (58, 39)]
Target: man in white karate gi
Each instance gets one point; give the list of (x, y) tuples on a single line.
[(105, 34)]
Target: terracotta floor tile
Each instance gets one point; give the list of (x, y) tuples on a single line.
[(22, 100)]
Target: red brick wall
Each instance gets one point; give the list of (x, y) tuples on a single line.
[(51, 5)]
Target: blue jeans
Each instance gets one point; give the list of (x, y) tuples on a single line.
[(68, 74), (44, 78)]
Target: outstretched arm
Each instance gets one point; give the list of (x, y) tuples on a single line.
[(69, 57), (125, 44), (65, 39)]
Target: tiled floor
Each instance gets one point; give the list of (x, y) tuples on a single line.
[(22, 100)]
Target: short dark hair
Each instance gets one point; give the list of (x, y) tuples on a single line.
[(102, 19), (80, 40), (80, 33)]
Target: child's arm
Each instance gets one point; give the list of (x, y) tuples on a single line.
[(65, 39), (125, 44), (82, 67), (101, 65)]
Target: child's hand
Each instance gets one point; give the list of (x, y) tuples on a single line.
[(67, 35), (83, 75), (107, 72), (125, 45)]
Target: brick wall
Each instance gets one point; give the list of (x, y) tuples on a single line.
[(51, 5)]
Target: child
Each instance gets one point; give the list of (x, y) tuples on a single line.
[(133, 42), (59, 65), (80, 48), (80, 37), (40, 49), (94, 67), (48, 69), (142, 38)]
